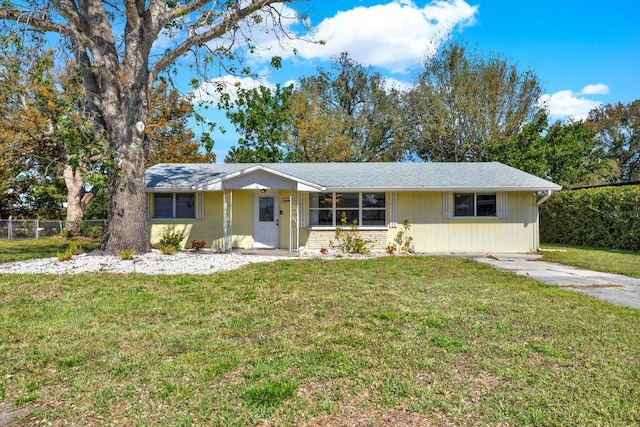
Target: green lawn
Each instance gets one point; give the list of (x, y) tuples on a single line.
[(608, 261), (316, 342), (21, 250)]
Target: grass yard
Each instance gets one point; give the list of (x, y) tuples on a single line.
[(21, 250), (387, 341), (608, 261)]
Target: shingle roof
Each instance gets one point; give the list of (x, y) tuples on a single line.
[(390, 176)]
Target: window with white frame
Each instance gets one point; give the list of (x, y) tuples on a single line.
[(475, 204), (365, 208), (174, 205)]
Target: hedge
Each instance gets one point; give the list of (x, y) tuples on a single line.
[(604, 217)]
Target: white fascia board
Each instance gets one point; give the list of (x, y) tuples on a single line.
[(314, 186), (441, 189), (217, 184), (212, 185), (300, 186), (169, 189)]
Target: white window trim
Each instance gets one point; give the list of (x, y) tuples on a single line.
[(360, 209), (448, 205), (198, 208)]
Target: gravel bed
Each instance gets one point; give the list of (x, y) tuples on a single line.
[(186, 262)]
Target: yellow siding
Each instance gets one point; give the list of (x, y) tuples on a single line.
[(210, 229), (242, 223), (431, 232), (434, 233)]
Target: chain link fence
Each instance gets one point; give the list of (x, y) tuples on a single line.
[(15, 229)]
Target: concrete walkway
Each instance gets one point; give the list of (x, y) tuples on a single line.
[(614, 288)]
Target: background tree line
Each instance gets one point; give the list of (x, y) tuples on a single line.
[(462, 107)]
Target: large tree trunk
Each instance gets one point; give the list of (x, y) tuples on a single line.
[(127, 218)]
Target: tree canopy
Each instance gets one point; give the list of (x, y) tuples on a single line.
[(617, 128), (113, 44), (262, 116), (345, 113), (169, 136), (464, 103)]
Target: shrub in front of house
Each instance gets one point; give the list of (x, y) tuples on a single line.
[(171, 240)]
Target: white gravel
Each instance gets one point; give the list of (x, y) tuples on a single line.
[(202, 262)]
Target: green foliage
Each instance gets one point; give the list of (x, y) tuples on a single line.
[(263, 118), (346, 113), (97, 206), (349, 239), (617, 128), (66, 255), (94, 231), (171, 240), (402, 239), (604, 217), (169, 136), (74, 248), (126, 254), (565, 153)]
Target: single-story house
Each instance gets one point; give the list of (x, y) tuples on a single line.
[(450, 207)]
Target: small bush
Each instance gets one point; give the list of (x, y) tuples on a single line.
[(171, 240), (198, 244), (66, 255), (350, 240), (126, 254), (95, 232), (168, 249), (403, 240), (75, 248)]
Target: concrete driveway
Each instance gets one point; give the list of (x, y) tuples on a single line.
[(614, 288)]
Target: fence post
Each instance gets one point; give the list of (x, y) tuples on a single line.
[(37, 228)]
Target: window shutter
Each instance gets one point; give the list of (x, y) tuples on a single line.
[(503, 205), (302, 209), (393, 209), (446, 205), (200, 205)]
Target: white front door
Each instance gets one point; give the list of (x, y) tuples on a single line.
[(266, 220)]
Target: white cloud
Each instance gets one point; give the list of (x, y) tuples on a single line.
[(393, 36), (566, 104), (209, 92), (400, 85), (597, 89)]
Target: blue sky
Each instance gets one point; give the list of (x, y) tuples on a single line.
[(585, 52)]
